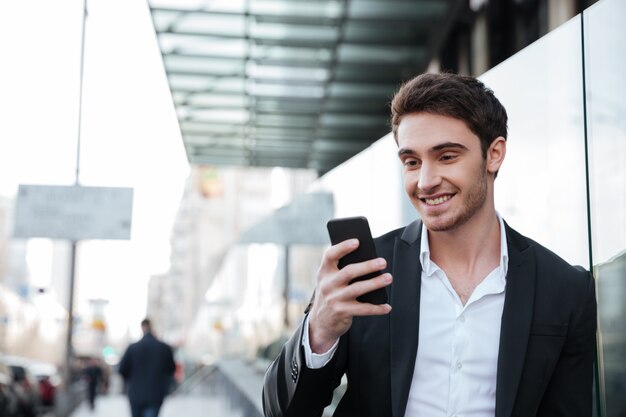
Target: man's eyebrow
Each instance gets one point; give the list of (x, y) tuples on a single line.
[(436, 148), (405, 151), (447, 145)]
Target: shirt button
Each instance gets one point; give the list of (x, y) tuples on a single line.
[(459, 365), (462, 320)]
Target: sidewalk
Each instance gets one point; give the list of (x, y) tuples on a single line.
[(174, 406)]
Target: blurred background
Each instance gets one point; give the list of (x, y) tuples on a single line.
[(210, 141)]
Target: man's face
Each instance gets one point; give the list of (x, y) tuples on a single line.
[(445, 173)]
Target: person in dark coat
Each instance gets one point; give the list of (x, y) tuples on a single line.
[(93, 376), (147, 368)]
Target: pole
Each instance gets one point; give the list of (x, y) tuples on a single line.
[(69, 351), (67, 372)]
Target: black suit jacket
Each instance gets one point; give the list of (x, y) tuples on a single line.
[(545, 360), (148, 368)]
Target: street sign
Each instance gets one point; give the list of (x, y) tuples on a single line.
[(73, 212)]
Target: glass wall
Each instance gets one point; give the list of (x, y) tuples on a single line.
[(605, 89), (541, 188)]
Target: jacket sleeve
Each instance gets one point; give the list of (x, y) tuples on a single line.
[(292, 389), (570, 390)]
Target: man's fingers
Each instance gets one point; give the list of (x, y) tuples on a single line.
[(352, 271), (341, 279), (359, 288), (338, 251), (365, 309)]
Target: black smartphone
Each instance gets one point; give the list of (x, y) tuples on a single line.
[(357, 227)]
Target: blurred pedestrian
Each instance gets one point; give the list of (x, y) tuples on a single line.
[(92, 373), (147, 368)]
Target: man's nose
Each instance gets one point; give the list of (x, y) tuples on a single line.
[(429, 178)]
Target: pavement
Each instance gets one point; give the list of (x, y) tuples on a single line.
[(191, 405), (231, 389)]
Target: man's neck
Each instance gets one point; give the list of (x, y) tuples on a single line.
[(469, 249)]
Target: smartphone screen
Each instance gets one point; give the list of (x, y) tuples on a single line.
[(357, 227)]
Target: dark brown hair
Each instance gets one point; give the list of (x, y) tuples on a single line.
[(462, 97)]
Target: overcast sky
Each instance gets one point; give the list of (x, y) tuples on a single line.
[(129, 134)]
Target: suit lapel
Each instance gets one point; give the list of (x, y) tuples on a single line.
[(404, 316), (516, 321)]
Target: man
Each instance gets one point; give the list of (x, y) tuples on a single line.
[(148, 368), (93, 376), (481, 321)]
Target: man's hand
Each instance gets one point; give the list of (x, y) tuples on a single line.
[(335, 301)]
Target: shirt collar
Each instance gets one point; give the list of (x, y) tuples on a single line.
[(429, 267)]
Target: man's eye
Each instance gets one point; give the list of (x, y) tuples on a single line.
[(448, 157), (410, 162)]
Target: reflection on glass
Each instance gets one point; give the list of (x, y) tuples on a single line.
[(541, 188), (605, 64)]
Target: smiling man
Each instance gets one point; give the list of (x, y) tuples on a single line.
[(481, 321)]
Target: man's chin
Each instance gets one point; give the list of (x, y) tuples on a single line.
[(439, 223)]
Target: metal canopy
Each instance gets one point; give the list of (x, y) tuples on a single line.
[(292, 83)]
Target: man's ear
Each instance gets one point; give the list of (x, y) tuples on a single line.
[(496, 154)]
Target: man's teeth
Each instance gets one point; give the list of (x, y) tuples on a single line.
[(434, 201)]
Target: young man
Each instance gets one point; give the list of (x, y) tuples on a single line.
[(148, 370), (481, 320)]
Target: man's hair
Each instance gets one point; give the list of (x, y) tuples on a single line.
[(146, 324), (458, 96)]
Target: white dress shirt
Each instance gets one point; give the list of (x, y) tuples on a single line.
[(457, 354)]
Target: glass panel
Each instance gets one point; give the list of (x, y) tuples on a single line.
[(300, 146), (203, 128), (207, 23), (186, 82), (231, 151), (233, 159), (171, 42), (605, 64), (204, 99), (278, 90), (372, 54), (329, 9), (276, 120), (164, 19), (298, 133), (205, 144), (199, 83), (174, 63), (317, 56), (229, 116), (233, 6), (335, 104), (287, 73), (292, 32), (353, 120), (373, 73), (289, 106), (327, 145), (384, 32), (541, 187), (361, 90), (401, 10), (360, 133)]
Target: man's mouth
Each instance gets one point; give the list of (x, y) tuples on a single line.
[(437, 200)]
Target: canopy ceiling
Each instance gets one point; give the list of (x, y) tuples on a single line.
[(292, 83)]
